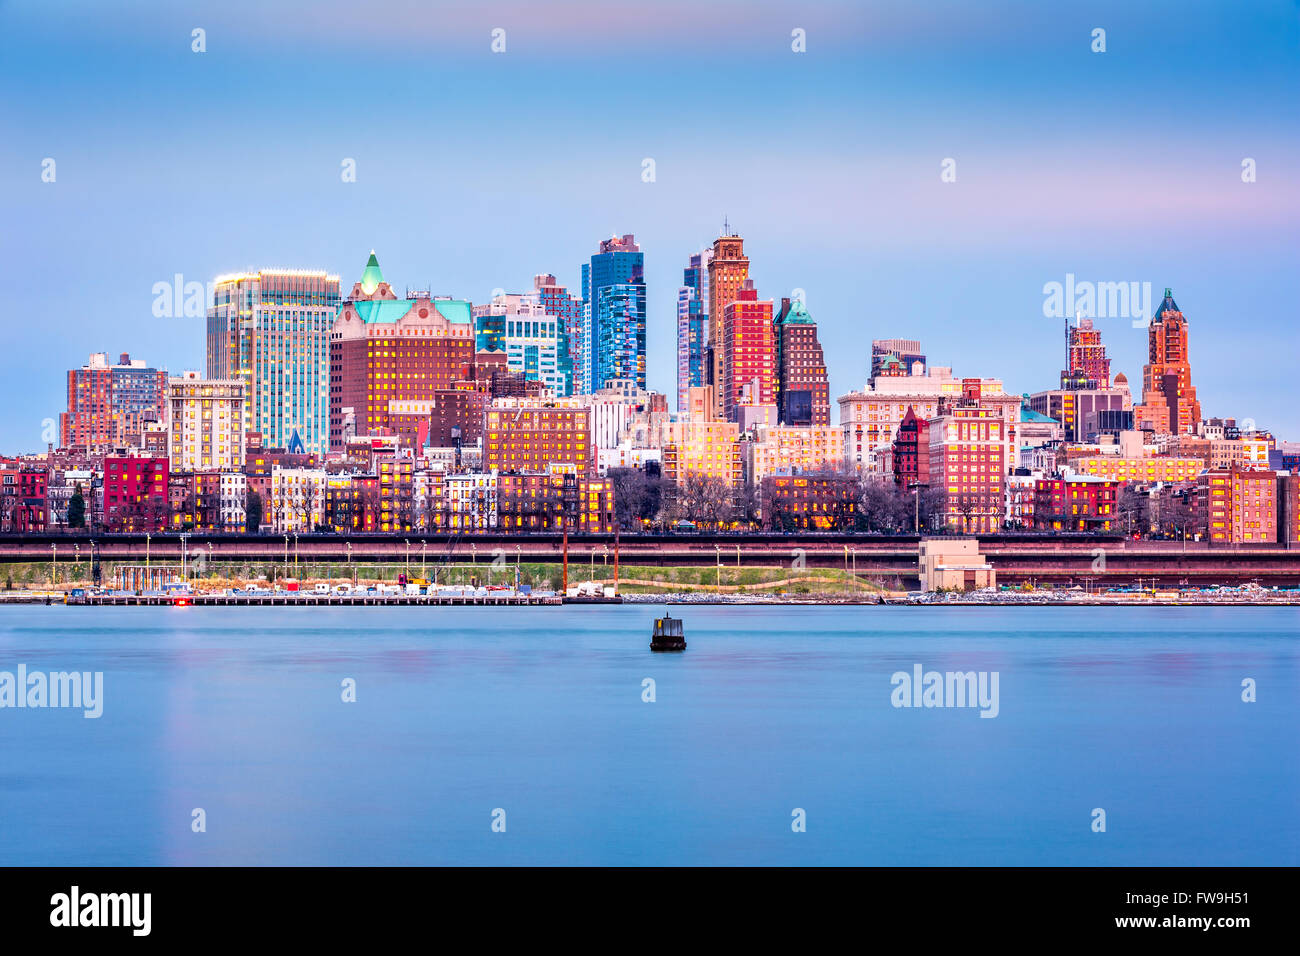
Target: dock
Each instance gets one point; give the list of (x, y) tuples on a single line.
[(301, 599)]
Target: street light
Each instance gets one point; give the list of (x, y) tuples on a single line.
[(54, 571), (718, 552)]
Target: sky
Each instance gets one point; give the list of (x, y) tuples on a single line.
[(476, 170)]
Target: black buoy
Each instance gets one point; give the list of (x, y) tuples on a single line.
[(668, 634)]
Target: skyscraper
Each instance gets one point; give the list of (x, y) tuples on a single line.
[(693, 326), (617, 319), (519, 324), (728, 271), (390, 355), (802, 388), (271, 329), (1169, 404), (555, 299), (1086, 362), (108, 404), (749, 352)]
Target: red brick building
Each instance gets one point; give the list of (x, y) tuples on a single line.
[(24, 504), (385, 349), (524, 437), (536, 502), (749, 352), (803, 390), (911, 451), (809, 503), (1074, 503), (109, 404), (968, 465), (136, 493), (1235, 506)]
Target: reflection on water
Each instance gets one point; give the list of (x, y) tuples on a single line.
[(540, 712)]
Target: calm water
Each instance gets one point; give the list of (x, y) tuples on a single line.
[(539, 712)]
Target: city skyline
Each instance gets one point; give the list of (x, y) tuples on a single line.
[(835, 184)]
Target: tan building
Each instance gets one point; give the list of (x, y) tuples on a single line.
[(705, 447), (1237, 506), (869, 419), (1153, 468), (206, 430), (954, 564), (790, 449)]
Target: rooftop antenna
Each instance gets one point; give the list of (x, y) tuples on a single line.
[(726, 226)]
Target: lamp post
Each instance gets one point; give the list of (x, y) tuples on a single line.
[(853, 554), (286, 555), (424, 562), (76, 561), (718, 552), (146, 553), (54, 570), (295, 554)]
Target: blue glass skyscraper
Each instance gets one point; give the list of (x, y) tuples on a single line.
[(616, 322)]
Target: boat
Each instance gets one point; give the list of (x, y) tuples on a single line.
[(668, 634)]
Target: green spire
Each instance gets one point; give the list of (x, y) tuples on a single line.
[(371, 277)]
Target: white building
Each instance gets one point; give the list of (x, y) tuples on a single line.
[(532, 338), (206, 423), (297, 499), (471, 501)]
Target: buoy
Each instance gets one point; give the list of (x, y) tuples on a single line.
[(668, 634)]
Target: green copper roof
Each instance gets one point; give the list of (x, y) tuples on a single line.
[(797, 315), (371, 277), (388, 311), (456, 311), (382, 310), (1027, 414)]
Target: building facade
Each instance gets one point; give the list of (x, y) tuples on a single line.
[(206, 423), (271, 330), (383, 349), (110, 404)]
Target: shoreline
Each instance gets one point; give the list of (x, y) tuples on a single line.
[(678, 599)]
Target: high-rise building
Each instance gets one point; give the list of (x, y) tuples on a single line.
[(1169, 404), (206, 423), (693, 326), (905, 351), (803, 390), (109, 404), (618, 334), (271, 330), (555, 299), (1086, 364), (613, 288), (519, 325), (728, 272), (968, 464), (748, 352), (386, 353)]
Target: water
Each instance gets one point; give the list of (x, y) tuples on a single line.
[(539, 712)]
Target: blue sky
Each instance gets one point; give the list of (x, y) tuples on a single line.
[(476, 170)]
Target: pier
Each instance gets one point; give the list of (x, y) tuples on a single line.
[(302, 599)]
